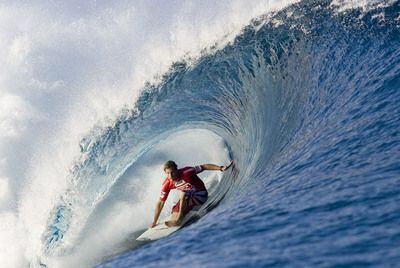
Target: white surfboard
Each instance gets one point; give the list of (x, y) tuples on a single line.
[(161, 230)]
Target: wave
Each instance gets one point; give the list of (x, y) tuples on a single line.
[(304, 100)]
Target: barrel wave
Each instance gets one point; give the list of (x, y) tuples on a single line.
[(306, 103)]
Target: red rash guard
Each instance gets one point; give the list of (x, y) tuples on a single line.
[(186, 181)]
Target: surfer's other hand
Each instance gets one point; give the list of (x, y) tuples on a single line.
[(223, 168), (152, 225)]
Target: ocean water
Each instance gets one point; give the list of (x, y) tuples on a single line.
[(302, 95)]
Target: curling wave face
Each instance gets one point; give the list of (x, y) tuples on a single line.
[(307, 102)]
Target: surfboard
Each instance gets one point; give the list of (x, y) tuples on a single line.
[(161, 230)]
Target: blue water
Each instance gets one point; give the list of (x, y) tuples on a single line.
[(309, 110)]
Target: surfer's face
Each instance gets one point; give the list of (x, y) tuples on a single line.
[(171, 173)]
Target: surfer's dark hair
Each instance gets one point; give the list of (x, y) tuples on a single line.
[(170, 164)]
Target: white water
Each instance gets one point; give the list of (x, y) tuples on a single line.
[(129, 206)]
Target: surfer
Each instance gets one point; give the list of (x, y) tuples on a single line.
[(193, 192)]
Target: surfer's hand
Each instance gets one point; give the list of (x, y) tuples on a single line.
[(226, 167), (152, 225)]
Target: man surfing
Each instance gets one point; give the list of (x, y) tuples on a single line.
[(193, 192)]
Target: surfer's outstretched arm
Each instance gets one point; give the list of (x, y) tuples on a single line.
[(215, 167), (159, 207)]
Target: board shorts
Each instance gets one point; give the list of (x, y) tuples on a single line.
[(194, 199)]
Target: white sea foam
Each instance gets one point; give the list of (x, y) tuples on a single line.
[(365, 5), (129, 206)]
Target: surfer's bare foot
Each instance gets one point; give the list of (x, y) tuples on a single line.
[(172, 223)]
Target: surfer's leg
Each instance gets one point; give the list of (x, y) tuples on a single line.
[(176, 217), (176, 208), (184, 206), (175, 211)]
